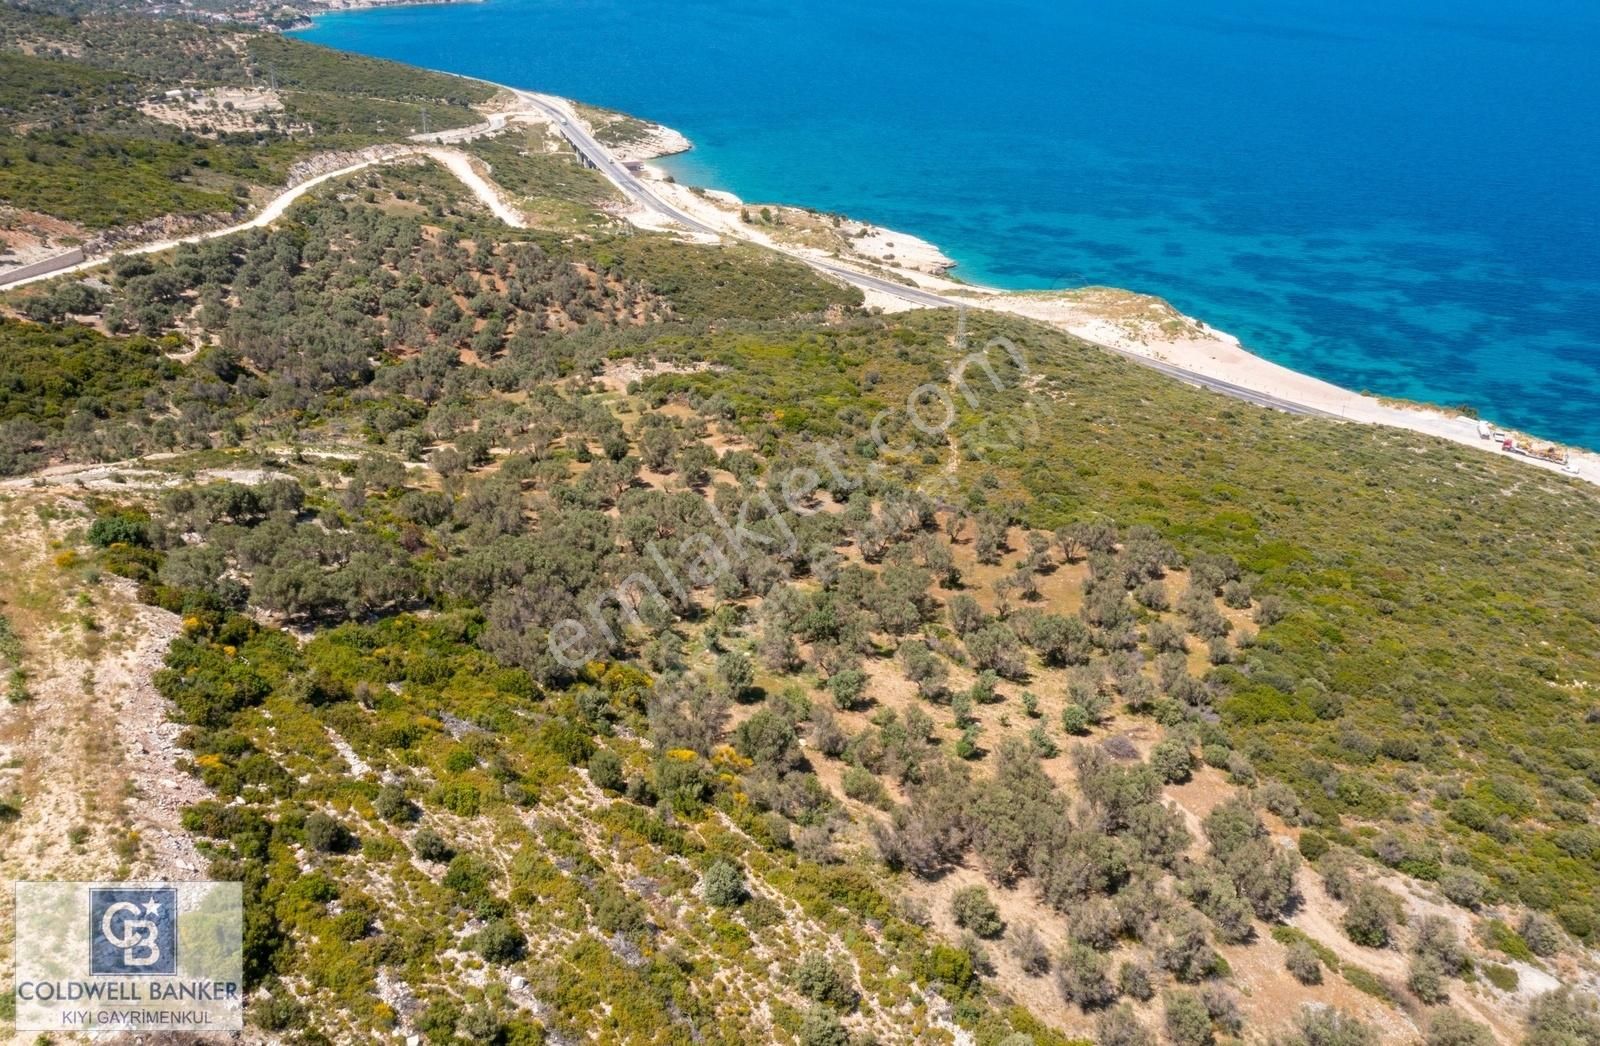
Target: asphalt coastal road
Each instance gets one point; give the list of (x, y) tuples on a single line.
[(637, 190), (73, 261), (1583, 465)]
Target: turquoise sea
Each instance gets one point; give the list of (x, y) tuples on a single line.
[(1395, 195)]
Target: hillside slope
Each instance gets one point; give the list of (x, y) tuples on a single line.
[(569, 633)]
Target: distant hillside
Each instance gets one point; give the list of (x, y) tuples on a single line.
[(111, 120)]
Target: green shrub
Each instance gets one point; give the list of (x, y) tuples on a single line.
[(1313, 845), (1186, 1019), (500, 942), (1288, 936), (1576, 920), (735, 673), (438, 1020), (1502, 938), (1426, 980), (1301, 960), (206, 684), (723, 884), (569, 740), (1541, 935), (1133, 980), (1502, 977), (274, 1009), (1463, 886), (847, 687), (1365, 980), (1368, 919), (972, 909), (1450, 1028), (863, 785), (467, 874), (1326, 1026), (392, 805), (822, 1027), (461, 798), (325, 834), (1083, 977), (1075, 720), (1172, 760), (949, 966), (768, 739), (430, 845), (120, 528), (616, 912), (605, 770), (823, 979), (1563, 1017)]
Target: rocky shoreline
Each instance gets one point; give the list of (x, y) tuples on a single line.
[(1122, 320)]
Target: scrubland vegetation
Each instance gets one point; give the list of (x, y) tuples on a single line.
[(1096, 707), (76, 145)]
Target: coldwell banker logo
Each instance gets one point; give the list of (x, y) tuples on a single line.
[(143, 958), (133, 932)]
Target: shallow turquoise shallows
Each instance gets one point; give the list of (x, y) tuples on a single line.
[(1396, 195)]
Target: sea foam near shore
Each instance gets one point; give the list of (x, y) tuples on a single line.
[(1335, 183), (1118, 319)]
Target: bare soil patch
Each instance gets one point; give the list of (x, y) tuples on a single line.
[(90, 760)]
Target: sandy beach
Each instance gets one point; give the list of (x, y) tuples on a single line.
[(1150, 327), (1117, 319)]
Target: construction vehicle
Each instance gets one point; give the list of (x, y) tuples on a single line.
[(1527, 448)]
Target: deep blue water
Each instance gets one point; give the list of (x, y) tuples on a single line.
[(1395, 195)]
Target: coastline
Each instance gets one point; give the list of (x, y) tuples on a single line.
[(896, 270), (1122, 321), (1317, 266), (303, 16), (319, 7)]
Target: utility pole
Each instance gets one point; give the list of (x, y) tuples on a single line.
[(424, 120)]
